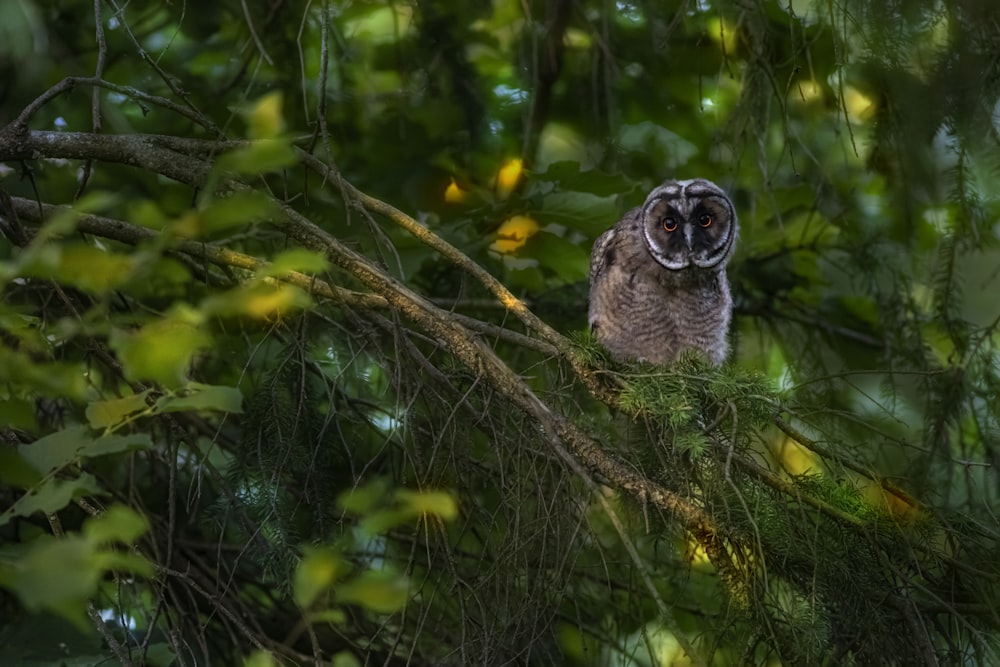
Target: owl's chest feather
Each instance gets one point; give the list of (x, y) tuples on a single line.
[(650, 313)]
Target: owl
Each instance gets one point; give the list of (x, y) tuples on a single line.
[(658, 281)]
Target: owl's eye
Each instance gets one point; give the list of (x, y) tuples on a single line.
[(669, 223), (705, 219)]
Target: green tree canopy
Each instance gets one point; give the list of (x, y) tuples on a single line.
[(293, 355)]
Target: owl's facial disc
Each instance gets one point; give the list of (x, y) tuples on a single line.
[(689, 224)]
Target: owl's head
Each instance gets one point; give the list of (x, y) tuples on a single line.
[(689, 223)]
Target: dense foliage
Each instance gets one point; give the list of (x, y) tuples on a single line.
[(293, 360)]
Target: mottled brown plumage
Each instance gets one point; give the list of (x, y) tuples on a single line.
[(658, 281)]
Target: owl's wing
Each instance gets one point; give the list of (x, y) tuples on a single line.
[(604, 252)]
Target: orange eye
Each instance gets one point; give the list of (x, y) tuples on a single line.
[(705, 220), (669, 223)]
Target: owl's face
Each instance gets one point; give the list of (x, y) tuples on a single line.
[(689, 223)]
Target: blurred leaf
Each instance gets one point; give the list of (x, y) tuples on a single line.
[(116, 524), (28, 642), (203, 397), (454, 194), (18, 413), (379, 591), (102, 414), (569, 261), (82, 266), (580, 211), (62, 574), (664, 146), (334, 616), (295, 259), (46, 378), (508, 177), (56, 450), (437, 503), (51, 496), (54, 574), (568, 176), (513, 233), (319, 569), (346, 659), (259, 157), (363, 499), (261, 300), (15, 471), (160, 351), (238, 209), (264, 118), (383, 520), (260, 658), (114, 444)]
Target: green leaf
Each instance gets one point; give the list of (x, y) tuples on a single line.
[(55, 574), (238, 209), (296, 259), (665, 147), (259, 157), (85, 267), (160, 351), (346, 659), (364, 499), (114, 444), (116, 524), (51, 496), (382, 521), (102, 414), (56, 450), (569, 261), (421, 503), (264, 301), (580, 211), (568, 176), (264, 117), (15, 471), (160, 655), (92, 269), (67, 446), (260, 658), (48, 378), (203, 397), (18, 413), (334, 616), (61, 574), (380, 591), (317, 571)]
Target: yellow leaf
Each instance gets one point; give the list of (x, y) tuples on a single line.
[(269, 302), (514, 233), (509, 176), (187, 226), (161, 351), (260, 658), (795, 458), (264, 118), (85, 267), (317, 571), (859, 106), (454, 194), (379, 591), (723, 33), (264, 301), (102, 414), (421, 503), (806, 91)]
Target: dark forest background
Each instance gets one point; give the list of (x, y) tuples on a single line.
[(293, 355)]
